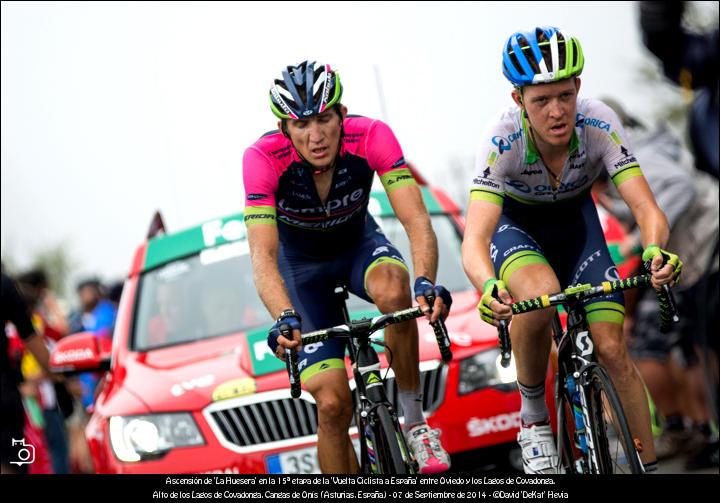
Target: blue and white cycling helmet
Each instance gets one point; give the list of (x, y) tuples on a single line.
[(540, 56), (305, 90)]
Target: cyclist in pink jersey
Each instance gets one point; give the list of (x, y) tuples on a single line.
[(307, 188)]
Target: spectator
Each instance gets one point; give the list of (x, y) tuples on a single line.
[(689, 199), (12, 416), (96, 314), (55, 401), (692, 61)]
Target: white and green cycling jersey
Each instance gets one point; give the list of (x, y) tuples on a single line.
[(509, 165)]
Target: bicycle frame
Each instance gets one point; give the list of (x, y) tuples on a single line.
[(576, 355), (369, 385)]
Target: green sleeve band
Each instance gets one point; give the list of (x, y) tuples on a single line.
[(626, 173), (396, 178), (486, 195), (259, 215)]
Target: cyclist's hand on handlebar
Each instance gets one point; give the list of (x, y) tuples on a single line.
[(491, 309), (441, 305), (288, 320), (665, 267)]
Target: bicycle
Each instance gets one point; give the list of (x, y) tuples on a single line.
[(593, 435), (383, 448)]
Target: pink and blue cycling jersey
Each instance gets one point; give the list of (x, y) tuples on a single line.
[(280, 189)]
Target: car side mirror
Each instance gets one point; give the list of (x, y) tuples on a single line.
[(81, 352)]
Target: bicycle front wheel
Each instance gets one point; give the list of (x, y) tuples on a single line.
[(390, 448), (613, 445)]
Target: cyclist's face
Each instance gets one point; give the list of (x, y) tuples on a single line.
[(317, 139), (551, 110)]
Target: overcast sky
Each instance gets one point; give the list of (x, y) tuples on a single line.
[(110, 111)]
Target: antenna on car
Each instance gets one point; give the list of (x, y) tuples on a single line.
[(157, 226)]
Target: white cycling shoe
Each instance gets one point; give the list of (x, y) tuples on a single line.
[(538, 449), (425, 446)]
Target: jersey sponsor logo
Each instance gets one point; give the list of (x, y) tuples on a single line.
[(486, 183), (281, 152), (301, 195), (518, 185), (256, 197), (326, 224), (628, 160), (352, 137), (528, 171), (504, 144), (577, 166), (398, 163), (486, 173), (264, 216), (397, 179), (582, 121), (624, 151), (333, 204), (380, 249), (542, 189)]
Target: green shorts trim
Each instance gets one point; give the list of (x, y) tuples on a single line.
[(518, 260), (382, 261), (605, 311), (320, 367)]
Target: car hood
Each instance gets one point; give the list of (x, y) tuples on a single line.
[(188, 376)]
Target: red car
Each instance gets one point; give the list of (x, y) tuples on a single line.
[(190, 386)]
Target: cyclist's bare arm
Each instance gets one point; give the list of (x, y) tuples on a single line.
[(651, 220), (480, 224), (264, 244), (410, 210)]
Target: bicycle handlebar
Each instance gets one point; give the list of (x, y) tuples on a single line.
[(668, 310), (291, 363), (365, 325)]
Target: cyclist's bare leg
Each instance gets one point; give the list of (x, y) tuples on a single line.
[(334, 405), (389, 287), (530, 333), (612, 352)]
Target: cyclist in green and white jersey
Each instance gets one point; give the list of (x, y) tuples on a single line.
[(532, 227)]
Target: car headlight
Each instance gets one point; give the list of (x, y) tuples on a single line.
[(138, 438), (483, 370)]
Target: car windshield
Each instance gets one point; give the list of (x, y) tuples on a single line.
[(212, 293)]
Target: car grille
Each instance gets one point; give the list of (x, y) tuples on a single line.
[(281, 419)]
